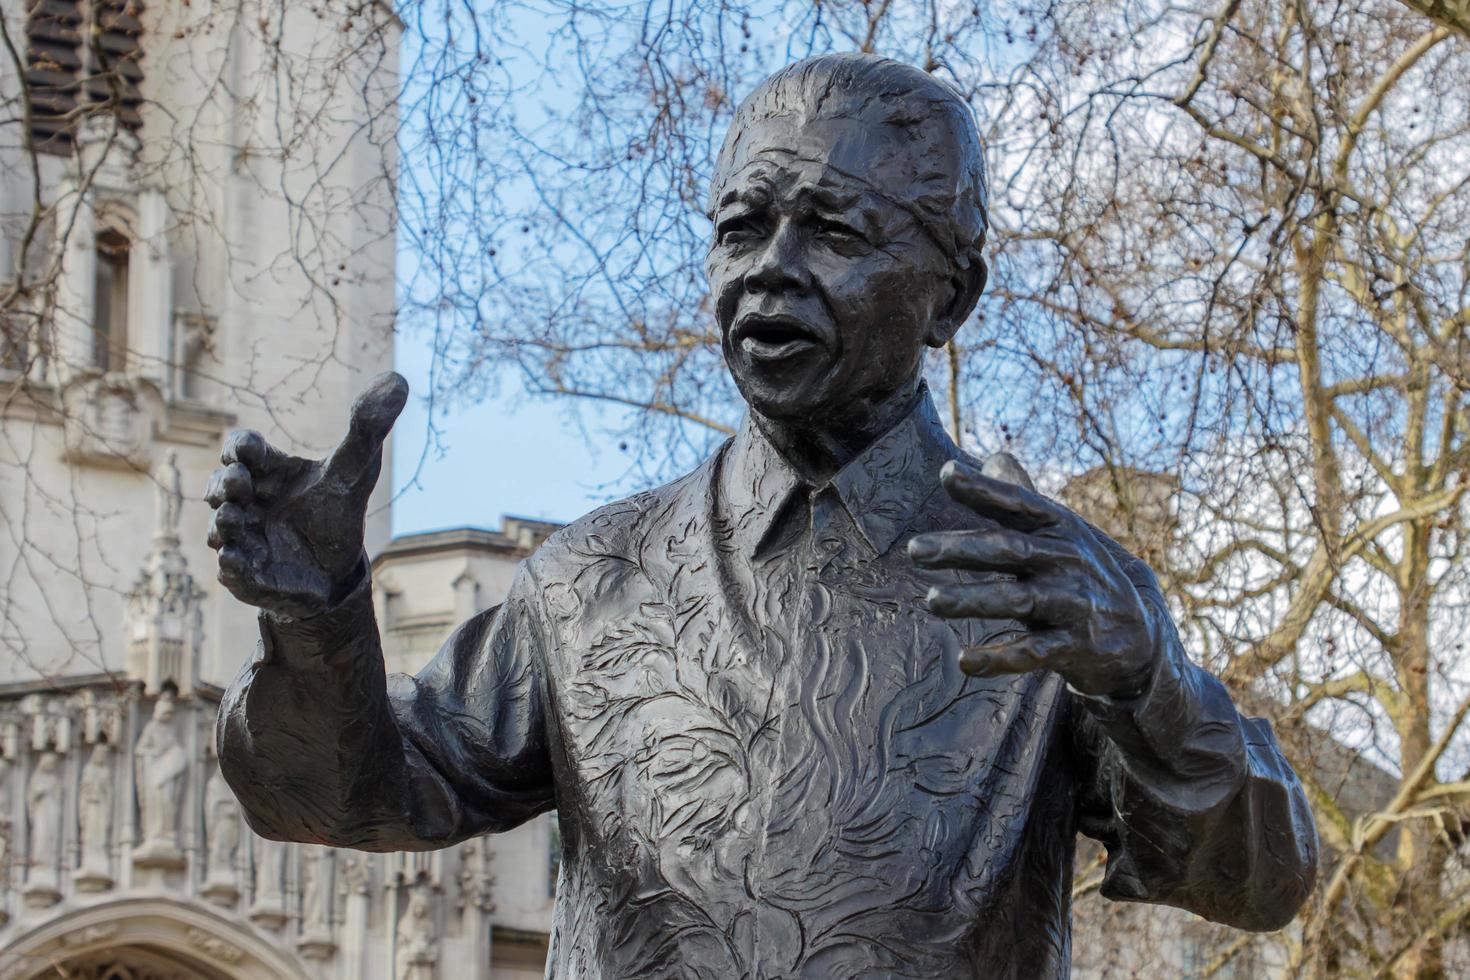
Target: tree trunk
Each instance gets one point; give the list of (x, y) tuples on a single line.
[(1421, 849)]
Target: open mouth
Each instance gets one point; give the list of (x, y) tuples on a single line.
[(774, 338)]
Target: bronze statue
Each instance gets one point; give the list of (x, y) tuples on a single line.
[(803, 713)]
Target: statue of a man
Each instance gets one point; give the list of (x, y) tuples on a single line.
[(221, 828), (801, 712), (270, 873), (160, 765)]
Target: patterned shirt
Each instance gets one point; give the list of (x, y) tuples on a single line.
[(766, 761)]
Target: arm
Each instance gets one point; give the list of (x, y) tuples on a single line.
[(317, 741), (320, 745), (1196, 804)]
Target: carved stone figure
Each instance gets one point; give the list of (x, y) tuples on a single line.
[(160, 764), (44, 826), (222, 833), (836, 703), (268, 907), (417, 938), (168, 502), (221, 825), (356, 877), (315, 872), (5, 815), (475, 878), (7, 833), (94, 820), (316, 896)]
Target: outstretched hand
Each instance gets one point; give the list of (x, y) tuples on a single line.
[(289, 531), (1082, 616)]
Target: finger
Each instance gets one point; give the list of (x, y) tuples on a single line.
[(238, 563), (373, 415), (231, 523), (214, 490), (1004, 466), (1025, 601), (1028, 652), (249, 448), (1007, 503), (230, 484), (1000, 550)]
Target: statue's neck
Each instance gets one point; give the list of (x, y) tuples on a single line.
[(818, 448)]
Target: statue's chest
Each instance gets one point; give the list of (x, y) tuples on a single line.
[(707, 725)]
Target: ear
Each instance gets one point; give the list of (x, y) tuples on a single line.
[(965, 289)]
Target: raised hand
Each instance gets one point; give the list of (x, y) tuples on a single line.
[(1082, 615), (289, 531)]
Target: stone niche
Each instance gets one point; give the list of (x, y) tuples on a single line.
[(119, 836)]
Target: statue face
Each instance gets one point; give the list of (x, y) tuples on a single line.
[(826, 288)]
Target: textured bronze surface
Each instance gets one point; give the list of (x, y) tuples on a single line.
[(836, 703)]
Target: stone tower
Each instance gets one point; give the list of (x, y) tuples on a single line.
[(197, 234)]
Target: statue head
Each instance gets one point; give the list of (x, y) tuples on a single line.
[(163, 708), (849, 209)]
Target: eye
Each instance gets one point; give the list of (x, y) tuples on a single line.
[(838, 233), (739, 228)]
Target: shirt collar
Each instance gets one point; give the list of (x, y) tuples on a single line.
[(882, 488)]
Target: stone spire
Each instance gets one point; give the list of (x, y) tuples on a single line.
[(165, 624)]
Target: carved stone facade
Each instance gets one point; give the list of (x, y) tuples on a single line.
[(115, 821), (321, 913), (123, 855)]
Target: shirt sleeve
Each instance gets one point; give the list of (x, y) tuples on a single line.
[(322, 746), (1196, 805)]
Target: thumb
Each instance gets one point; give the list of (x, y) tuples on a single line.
[(373, 415), (1004, 466)]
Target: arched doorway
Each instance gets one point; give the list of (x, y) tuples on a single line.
[(146, 939), (131, 963)]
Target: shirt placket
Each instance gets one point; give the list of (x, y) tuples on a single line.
[(802, 567)]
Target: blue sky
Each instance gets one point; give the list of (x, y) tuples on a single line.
[(505, 455)]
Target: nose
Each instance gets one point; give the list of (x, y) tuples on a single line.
[(780, 265)]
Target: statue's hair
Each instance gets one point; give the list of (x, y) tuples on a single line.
[(950, 206)]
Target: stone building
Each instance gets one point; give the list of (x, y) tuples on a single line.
[(155, 295)]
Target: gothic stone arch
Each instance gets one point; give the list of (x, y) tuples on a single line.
[(130, 963), (148, 939)]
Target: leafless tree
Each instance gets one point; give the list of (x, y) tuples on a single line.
[(1242, 265)]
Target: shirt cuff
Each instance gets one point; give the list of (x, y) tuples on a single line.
[(1182, 735)]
